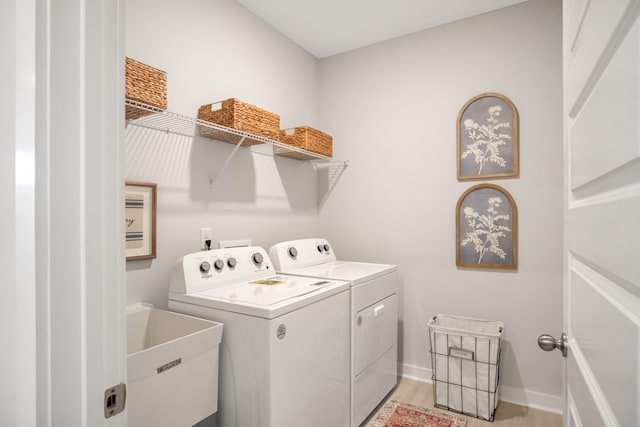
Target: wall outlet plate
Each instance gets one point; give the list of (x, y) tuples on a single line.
[(205, 234)]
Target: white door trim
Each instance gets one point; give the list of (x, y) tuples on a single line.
[(17, 214), (62, 315), (86, 189)]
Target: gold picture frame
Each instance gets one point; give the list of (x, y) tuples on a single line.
[(487, 229), (140, 220), (488, 140)]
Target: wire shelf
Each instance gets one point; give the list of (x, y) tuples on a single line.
[(169, 122)]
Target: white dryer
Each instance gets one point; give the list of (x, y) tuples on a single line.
[(284, 355), (373, 316)]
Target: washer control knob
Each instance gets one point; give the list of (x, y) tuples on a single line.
[(218, 265), (326, 247), (258, 258), (320, 248), (231, 262), (205, 266), (293, 252)]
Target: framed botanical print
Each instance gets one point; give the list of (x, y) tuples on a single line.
[(487, 229), (140, 220), (488, 138)]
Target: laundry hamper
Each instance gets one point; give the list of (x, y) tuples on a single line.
[(465, 360)]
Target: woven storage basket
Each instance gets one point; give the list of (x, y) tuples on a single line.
[(241, 116), (145, 84), (307, 138)]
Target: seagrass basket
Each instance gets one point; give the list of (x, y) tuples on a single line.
[(241, 116), (307, 138), (145, 84)]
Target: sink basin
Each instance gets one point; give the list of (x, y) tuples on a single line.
[(172, 363)]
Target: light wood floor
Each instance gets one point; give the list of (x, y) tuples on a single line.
[(507, 415)]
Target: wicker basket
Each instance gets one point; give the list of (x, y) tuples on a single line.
[(307, 138), (145, 84), (240, 116)]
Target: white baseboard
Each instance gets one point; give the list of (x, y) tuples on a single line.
[(418, 373), (531, 399)]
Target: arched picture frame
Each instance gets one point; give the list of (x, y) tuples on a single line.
[(487, 134), (487, 229)]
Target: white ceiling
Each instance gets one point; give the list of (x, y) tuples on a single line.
[(328, 27)]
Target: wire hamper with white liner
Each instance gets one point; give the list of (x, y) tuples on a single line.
[(465, 359)]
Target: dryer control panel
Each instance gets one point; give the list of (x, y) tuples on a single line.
[(209, 269), (301, 253)]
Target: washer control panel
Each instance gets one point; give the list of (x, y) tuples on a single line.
[(208, 269), (301, 253), (323, 248)]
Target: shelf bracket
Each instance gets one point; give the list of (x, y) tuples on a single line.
[(226, 162), (337, 164)]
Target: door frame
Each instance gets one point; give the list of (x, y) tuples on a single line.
[(65, 255), (86, 209)]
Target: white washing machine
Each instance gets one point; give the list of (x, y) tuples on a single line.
[(284, 355), (373, 316)]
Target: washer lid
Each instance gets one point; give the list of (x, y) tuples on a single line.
[(355, 272), (268, 291)]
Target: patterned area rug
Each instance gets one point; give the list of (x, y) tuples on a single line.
[(399, 414)]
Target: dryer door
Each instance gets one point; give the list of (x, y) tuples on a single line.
[(375, 356), (376, 331)]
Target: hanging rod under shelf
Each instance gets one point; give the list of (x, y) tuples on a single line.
[(169, 122)]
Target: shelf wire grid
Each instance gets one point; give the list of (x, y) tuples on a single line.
[(167, 121)]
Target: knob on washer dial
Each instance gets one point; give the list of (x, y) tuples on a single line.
[(218, 264), (257, 258), (205, 266), (231, 262), (293, 252)]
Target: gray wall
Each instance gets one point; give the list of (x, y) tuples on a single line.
[(214, 50), (392, 109)]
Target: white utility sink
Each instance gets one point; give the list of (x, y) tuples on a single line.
[(172, 362)]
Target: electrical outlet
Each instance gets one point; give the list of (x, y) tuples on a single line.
[(205, 234)]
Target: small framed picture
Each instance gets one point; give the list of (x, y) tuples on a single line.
[(487, 229), (140, 220), (488, 138)]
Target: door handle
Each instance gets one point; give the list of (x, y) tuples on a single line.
[(378, 310), (549, 343)]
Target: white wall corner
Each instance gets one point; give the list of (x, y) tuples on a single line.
[(417, 373)]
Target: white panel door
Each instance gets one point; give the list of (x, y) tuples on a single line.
[(602, 212)]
